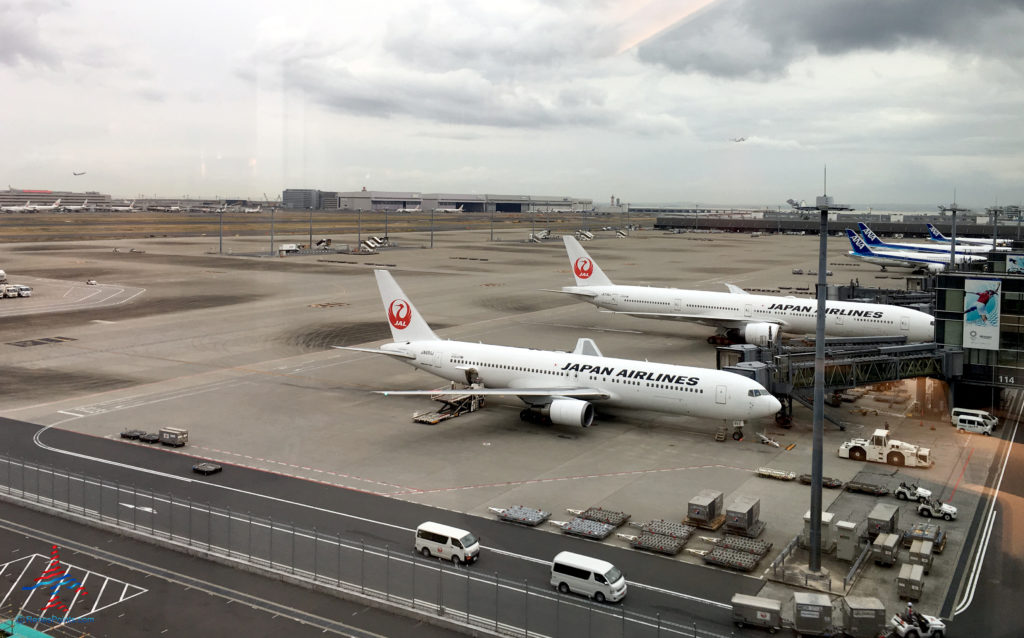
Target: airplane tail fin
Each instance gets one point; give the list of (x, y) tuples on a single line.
[(585, 269), (870, 238), (859, 247), (934, 234), (405, 321), (57, 203)]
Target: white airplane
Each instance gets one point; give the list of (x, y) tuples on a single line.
[(414, 209), (936, 236), (253, 210), (561, 386), (129, 208), (738, 315), (930, 262), (43, 208), (457, 209), (72, 208), (18, 209), (875, 243)]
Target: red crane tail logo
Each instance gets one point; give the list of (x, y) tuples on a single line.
[(583, 268), (399, 313)]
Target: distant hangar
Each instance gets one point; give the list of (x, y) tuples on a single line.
[(367, 200)]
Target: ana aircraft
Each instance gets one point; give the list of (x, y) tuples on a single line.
[(72, 208), (935, 235), (872, 240), (930, 262), (738, 315), (43, 208), (561, 386), (18, 209)]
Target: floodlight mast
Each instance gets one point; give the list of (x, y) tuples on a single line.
[(952, 235), (823, 204)]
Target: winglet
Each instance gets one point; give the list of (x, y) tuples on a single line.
[(403, 318), (859, 247), (585, 269), (736, 290)]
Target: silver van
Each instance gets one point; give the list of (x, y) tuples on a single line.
[(981, 414), (594, 578), (972, 423)]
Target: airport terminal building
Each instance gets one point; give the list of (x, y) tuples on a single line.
[(366, 200)]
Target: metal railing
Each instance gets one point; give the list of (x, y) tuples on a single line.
[(465, 597)]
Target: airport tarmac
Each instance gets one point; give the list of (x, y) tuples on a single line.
[(237, 350)]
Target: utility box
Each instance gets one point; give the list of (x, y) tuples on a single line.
[(175, 437), (885, 549), (848, 535), (910, 583), (921, 554), (883, 519), (706, 506), (743, 516), (757, 612), (863, 617), (828, 531), (812, 613)]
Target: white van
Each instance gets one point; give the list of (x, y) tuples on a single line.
[(449, 543), (591, 577), (981, 414), (973, 423), (24, 291)]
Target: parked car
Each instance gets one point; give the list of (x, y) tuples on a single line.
[(132, 434), (149, 437)]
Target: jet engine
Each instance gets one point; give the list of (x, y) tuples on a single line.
[(562, 412), (936, 268), (761, 334)]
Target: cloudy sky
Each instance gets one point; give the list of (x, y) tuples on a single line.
[(903, 99)]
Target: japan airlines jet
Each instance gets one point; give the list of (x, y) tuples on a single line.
[(457, 209), (414, 209), (42, 208), (935, 235), (18, 209), (561, 386), (740, 316), (930, 262), (129, 208), (875, 243), (71, 208)]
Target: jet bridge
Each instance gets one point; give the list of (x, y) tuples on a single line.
[(788, 370)]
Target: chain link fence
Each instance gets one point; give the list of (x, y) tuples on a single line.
[(393, 577)]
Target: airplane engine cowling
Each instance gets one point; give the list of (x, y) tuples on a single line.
[(761, 334), (936, 268), (570, 412)]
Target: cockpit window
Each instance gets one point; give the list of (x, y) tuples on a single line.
[(756, 393)]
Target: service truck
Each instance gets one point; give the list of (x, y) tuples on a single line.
[(882, 449)]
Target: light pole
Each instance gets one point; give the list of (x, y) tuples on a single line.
[(952, 234), (221, 249), (492, 226), (431, 227), (823, 205), (272, 209), (310, 244)]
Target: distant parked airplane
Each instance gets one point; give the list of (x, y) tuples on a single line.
[(872, 240), (42, 208), (442, 209), (936, 236), (74, 173), (414, 209), (129, 208), (72, 208), (929, 262), (18, 209)]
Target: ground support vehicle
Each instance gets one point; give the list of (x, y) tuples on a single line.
[(670, 545), (916, 625), (933, 508), (925, 531), (757, 612), (866, 488), (206, 468), (585, 528), (521, 514), (175, 437), (881, 449), (149, 437), (826, 481), (601, 515), (911, 492), (132, 434)]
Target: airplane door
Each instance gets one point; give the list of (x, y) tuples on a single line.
[(748, 310), (677, 305), (720, 394), (904, 324), (607, 300)]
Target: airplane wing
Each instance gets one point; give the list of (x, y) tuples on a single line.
[(576, 393), (400, 355), (736, 290), (711, 320)]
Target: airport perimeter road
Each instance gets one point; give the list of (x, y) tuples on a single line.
[(992, 596), (678, 592), (137, 589)]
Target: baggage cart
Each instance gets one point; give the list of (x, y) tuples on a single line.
[(863, 617), (910, 583), (812, 614), (587, 529), (521, 514), (670, 545), (757, 612), (921, 554)]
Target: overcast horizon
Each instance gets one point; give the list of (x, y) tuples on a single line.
[(690, 101)]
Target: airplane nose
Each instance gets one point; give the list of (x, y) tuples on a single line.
[(775, 404)]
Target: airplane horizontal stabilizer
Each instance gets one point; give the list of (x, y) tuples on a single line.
[(401, 355), (577, 292)]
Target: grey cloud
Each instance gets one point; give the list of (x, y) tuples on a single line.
[(757, 39), (20, 37)]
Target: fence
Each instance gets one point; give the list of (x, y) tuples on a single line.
[(393, 577)]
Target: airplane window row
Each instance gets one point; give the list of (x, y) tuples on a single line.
[(656, 303), (663, 386), (697, 305), (516, 368)]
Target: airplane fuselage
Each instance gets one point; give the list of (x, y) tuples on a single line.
[(641, 385), (794, 316)]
